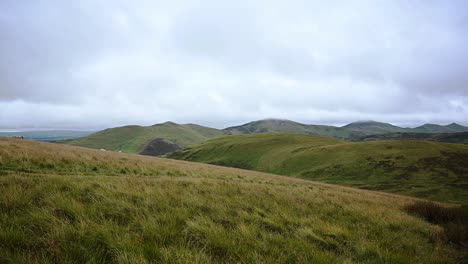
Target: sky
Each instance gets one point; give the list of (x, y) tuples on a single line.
[(93, 64)]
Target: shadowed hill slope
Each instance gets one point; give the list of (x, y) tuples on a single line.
[(68, 204), (133, 139), (431, 170)]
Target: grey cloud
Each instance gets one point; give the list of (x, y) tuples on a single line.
[(96, 64)]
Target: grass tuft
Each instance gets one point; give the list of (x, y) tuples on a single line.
[(453, 220)]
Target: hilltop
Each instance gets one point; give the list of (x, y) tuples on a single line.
[(135, 139), (373, 127), (69, 204), (434, 128), (352, 131), (424, 169), (165, 138), (287, 126)]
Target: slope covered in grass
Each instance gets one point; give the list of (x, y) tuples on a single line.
[(65, 204), (133, 139), (424, 169), (459, 137), (373, 127), (288, 126)]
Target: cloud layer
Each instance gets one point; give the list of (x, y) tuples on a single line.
[(93, 64)]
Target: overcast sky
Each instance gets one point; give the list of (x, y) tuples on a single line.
[(96, 64)]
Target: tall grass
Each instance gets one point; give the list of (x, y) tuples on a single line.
[(430, 170), (454, 220), (55, 208)]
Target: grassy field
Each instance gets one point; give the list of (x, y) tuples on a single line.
[(432, 170), (65, 204), (133, 139), (459, 137)]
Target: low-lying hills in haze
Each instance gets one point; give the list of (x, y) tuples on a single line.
[(48, 135), (434, 128), (432, 170), (67, 204), (161, 139)]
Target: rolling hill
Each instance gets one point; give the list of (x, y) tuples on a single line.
[(154, 140), (432, 170), (67, 204), (373, 127), (460, 137), (352, 131), (134, 139), (434, 128), (287, 126)]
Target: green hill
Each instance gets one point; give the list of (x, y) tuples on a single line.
[(352, 131), (66, 204), (457, 128), (287, 126), (134, 139), (137, 139), (460, 137), (373, 127), (434, 128), (432, 170)]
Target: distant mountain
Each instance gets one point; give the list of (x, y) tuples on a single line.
[(288, 126), (457, 128), (434, 128), (352, 131), (134, 139), (164, 138), (373, 127), (460, 137), (50, 135)]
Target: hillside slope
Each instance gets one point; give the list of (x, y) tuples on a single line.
[(352, 131), (431, 170), (434, 128), (134, 139), (460, 137), (65, 204), (373, 127), (287, 126)]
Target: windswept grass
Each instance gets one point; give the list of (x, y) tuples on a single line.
[(55, 207), (454, 220), (432, 170)]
